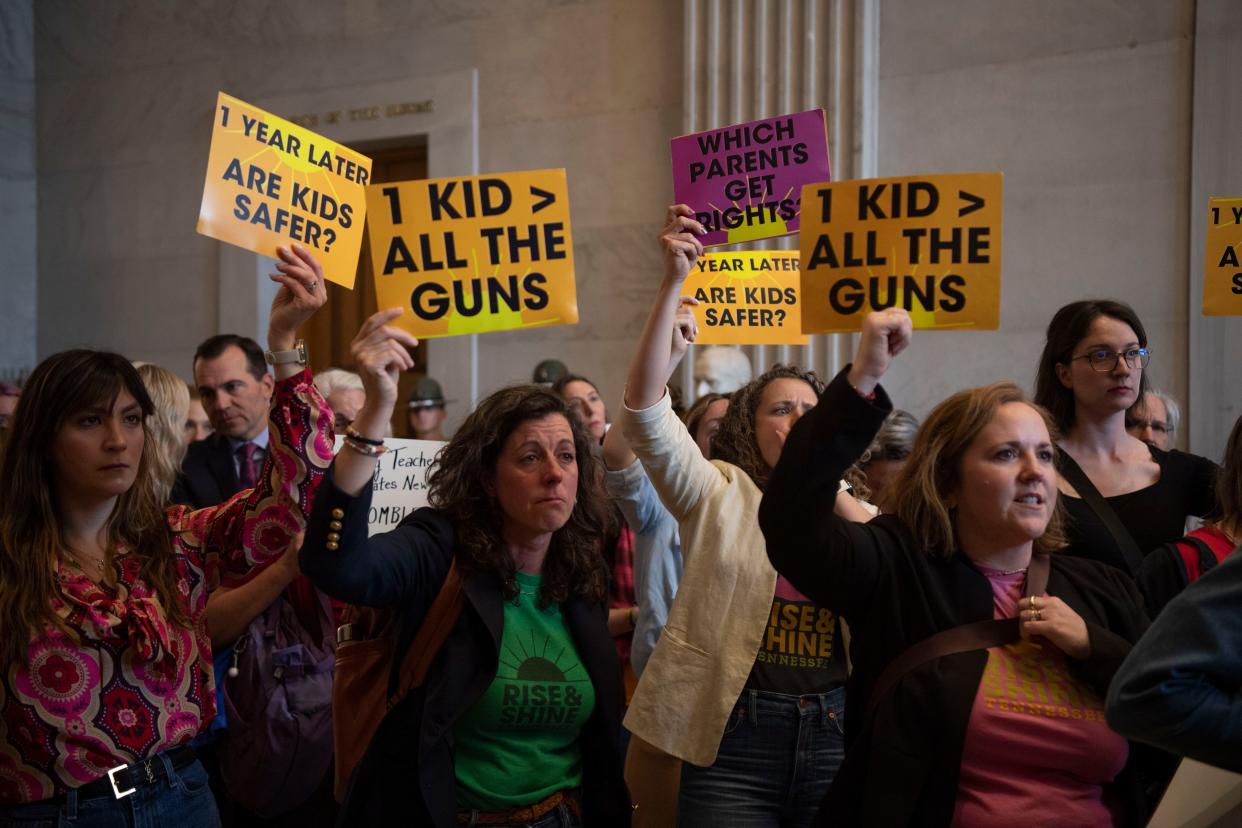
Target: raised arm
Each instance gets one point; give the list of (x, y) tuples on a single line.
[(657, 356), (337, 553), (830, 559), (1179, 687), (257, 525), (669, 454)]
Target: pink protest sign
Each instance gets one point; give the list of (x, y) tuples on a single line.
[(744, 182)]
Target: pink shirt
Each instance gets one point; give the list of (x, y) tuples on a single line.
[(1037, 751)]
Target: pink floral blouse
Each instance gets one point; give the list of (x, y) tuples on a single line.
[(137, 684)]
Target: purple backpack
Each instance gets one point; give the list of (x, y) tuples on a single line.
[(278, 746)]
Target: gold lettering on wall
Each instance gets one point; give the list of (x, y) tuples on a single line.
[(365, 113)]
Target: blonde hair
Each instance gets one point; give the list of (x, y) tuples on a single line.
[(166, 427), (934, 468)]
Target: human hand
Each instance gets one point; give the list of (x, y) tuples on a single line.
[(685, 331), (289, 560), (885, 334), (381, 353), (1052, 619), (680, 243), (302, 293)]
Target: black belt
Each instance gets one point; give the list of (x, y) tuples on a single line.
[(123, 780)]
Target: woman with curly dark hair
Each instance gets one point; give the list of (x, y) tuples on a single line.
[(518, 720), (747, 684)]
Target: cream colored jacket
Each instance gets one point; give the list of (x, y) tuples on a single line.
[(717, 621)]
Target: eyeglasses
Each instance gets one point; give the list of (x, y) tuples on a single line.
[(1155, 425), (1105, 360)]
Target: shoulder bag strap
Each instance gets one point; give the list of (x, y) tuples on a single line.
[(978, 635), (1077, 478), (1207, 558), (444, 612)]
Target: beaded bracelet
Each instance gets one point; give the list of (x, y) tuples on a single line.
[(353, 434), (364, 449)]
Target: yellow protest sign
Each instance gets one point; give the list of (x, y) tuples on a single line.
[(1222, 267), (747, 298), (474, 254), (930, 244), (271, 183)]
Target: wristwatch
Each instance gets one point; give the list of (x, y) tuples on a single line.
[(296, 355)]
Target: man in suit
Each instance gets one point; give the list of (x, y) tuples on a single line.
[(236, 391)]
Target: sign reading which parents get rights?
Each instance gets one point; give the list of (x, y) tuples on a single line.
[(271, 182), (930, 244), (1222, 267), (744, 182), (474, 254), (747, 298)]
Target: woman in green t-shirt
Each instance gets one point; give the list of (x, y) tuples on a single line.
[(518, 721)]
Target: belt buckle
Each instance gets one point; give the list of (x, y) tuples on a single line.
[(116, 790)]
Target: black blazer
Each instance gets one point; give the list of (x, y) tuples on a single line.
[(208, 475), (406, 776), (901, 767)]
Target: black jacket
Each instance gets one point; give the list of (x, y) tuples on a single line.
[(208, 475), (901, 768), (406, 776)]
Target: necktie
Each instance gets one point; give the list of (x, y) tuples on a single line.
[(249, 462)]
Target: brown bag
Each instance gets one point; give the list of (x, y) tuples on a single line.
[(365, 649), (978, 635)]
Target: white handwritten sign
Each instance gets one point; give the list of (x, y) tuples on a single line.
[(400, 483)]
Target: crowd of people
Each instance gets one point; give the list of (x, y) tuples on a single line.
[(791, 604)]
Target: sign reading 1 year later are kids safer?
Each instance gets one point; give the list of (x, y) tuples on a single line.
[(930, 244), (475, 254), (744, 182), (1222, 282), (747, 298), (271, 183)]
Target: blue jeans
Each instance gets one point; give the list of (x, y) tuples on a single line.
[(182, 800), (776, 760)]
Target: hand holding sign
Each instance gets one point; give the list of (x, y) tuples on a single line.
[(885, 334), (302, 293), (680, 243), (380, 352)]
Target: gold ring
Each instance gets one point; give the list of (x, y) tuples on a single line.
[(1036, 616), (1032, 603)]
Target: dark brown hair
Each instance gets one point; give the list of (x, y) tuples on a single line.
[(934, 468), (1066, 331), (30, 537), (694, 417), (256, 361), (574, 565), (735, 441)]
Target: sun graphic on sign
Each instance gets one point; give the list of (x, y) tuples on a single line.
[(310, 173), (536, 661), (753, 231)]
